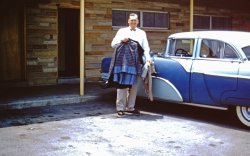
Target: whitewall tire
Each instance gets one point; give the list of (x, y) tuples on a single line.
[(243, 114)]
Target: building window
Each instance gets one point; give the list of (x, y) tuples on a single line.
[(120, 17), (201, 22), (155, 20), (147, 19), (212, 23), (221, 23)]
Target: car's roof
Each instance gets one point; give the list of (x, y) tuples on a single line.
[(238, 38)]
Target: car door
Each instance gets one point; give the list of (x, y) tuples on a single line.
[(172, 81), (242, 95), (214, 72), (174, 67)]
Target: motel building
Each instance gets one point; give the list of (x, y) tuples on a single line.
[(49, 42)]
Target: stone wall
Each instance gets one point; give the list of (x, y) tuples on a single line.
[(41, 43), (179, 18), (240, 20), (42, 31), (42, 40), (98, 29), (99, 32)]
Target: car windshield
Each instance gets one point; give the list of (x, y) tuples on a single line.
[(246, 50), (180, 47)]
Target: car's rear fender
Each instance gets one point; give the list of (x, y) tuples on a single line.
[(162, 89)]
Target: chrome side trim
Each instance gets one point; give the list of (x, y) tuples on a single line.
[(243, 77), (196, 105), (225, 75), (205, 106), (221, 75)]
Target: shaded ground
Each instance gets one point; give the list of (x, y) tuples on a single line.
[(105, 104)]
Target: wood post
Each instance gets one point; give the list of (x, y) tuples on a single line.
[(191, 14), (82, 62)]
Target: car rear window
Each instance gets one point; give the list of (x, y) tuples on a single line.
[(246, 50)]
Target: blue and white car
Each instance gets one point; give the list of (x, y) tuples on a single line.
[(204, 68)]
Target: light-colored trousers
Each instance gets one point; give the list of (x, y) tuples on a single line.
[(125, 99)]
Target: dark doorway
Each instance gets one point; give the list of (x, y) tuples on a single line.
[(69, 43)]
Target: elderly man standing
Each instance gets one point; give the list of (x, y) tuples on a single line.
[(126, 97)]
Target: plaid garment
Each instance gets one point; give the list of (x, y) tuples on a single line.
[(126, 65)]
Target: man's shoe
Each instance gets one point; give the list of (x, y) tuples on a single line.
[(120, 113), (135, 112)]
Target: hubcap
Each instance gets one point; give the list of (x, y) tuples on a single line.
[(246, 112)]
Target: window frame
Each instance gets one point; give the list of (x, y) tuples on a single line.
[(140, 25), (234, 51), (211, 22), (221, 54), (155, 12), (245, 50)]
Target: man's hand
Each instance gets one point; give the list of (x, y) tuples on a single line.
[(149, 61), (125, 40)]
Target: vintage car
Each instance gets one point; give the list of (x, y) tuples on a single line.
[(203, 68)]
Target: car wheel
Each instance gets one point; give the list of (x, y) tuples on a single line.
[(243, 114)]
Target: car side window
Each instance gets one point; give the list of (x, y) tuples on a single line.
[(217, 49), (181, 47), (205, 50), (246, 50), (229, 52), (211, 49)]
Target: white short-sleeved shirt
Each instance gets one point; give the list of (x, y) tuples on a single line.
[(137, 35)]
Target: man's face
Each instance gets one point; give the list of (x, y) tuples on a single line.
[(133, 23)]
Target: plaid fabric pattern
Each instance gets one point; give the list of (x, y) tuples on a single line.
[(126, 65)]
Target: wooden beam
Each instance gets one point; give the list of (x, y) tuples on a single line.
[(191, 14), (82, 10)]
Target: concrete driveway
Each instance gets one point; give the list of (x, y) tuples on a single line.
[(92, 128)]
